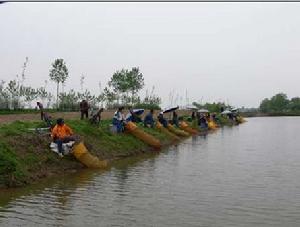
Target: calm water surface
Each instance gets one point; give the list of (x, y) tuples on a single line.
[(247, 175)]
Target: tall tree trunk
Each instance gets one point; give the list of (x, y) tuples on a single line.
[(132, 93), (57, 87)]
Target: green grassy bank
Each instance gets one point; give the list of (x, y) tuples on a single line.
[(25, 155)]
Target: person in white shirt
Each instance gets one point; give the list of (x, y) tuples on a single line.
[(119, 119)]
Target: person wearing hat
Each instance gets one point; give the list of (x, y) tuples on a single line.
[(62, 133)]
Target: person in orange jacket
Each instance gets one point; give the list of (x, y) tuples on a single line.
[(61, 133)]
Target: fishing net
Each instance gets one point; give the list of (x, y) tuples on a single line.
[(178, 132), (162, 129), (185, 127), (140, 134), (212, 125), (86, 158)]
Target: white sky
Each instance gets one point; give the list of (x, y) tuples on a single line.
[(234, 52)]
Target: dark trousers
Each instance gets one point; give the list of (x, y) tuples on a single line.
[(119, 125), (151, 123), (86, 113), (60, 142)]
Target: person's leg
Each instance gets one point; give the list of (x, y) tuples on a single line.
[(152, 124), (81, 117), (42, 115), (59, 143), (119, 127), (87, 114), (177, 124)]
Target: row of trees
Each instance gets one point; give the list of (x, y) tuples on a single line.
[(213, 107), (122, 89), (17, 96), (280, 103)]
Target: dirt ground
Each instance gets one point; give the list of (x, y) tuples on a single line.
[(36, 116), (66, 115)]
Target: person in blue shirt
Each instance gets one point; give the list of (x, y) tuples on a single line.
[(148, 120), (119, 119), (162, 120)]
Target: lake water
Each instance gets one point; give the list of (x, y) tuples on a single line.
[(247, 175)]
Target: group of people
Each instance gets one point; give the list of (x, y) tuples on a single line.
[(95, 117), (62, 133), (119, 120), (202, 119)]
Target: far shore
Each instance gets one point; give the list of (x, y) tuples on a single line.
[(275, 114)]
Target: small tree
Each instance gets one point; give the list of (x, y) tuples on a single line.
[(125, 81), (82, 82), (4, 96), (265, 105), (279, 102), (135, 82), (59, 74), (109, 96), (69, 101), (119, 83), (14, 91), (294, 104), (29, 94)]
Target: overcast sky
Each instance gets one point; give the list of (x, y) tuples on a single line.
[(234, 52)]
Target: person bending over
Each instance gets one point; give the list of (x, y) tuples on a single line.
[(96, 118)]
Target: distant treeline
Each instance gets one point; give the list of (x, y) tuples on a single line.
[(215, 107), (279, 104)]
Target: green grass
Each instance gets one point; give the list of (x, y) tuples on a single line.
[(25, 155), (18, 128), (11, 168)]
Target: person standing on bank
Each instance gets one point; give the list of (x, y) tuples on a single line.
[(40, 105), (84, 109), (119, 120)]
